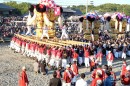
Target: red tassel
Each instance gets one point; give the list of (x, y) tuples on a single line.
[(41, 6)]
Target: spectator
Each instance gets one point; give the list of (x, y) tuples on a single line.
[(98, 80), (108, 81), (55, 81), (125, 77), (23, 80), (67, 76), (81, 81), (36, 66)]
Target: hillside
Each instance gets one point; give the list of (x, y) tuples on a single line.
[(105, 8)]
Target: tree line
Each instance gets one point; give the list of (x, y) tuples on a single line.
[(22, 8), (125, 8)]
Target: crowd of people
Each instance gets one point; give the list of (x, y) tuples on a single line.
[(17, 25), (11, 25), (66, 60)]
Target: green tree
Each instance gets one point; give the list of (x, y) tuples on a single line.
[(21, 8)]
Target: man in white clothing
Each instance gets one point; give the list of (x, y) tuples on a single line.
[(128, 25), (64, 33), (81, 82), (29, 30), (124, 55), (45, 32)]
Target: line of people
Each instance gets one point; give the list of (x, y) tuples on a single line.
[(56, 56)]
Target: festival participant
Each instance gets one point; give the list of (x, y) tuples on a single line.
[(104, 68), (53, 56), (58, 71), (64, 33), (23, 79), (58, 57), (67, 76), (64, 58), (80, 25), (29, 30), (125, 77), (36, 53), (74, 69), (30, 21), (86, 55), (81, 81), (36, 66), (128, 24), (42, 52), (99, 69), (92, 63), (43, 67), (80, 55), (60, 21), (110, 58), (99, 57), (15, 44), (97, 81), (120, 49), (33, 45), (123, 69), (74, 55), (113, 76), (48, 54), (45, 32), (18, 43), (27, 53), (108, 81), (123, 55), (92, 35), (23, 46), (116, 53), (12, 43), (69, 54), (26, 48), (30, 49)]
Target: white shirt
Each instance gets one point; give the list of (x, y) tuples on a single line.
[(45, 30), (123, 55), (81, 82)]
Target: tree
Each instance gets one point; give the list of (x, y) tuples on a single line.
[(21, 8)]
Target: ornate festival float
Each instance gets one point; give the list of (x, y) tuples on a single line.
[(115, 23), (43, 16)]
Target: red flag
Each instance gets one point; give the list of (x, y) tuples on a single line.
[(57, 11)]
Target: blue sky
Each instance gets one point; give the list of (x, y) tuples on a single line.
[(77, 2)]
